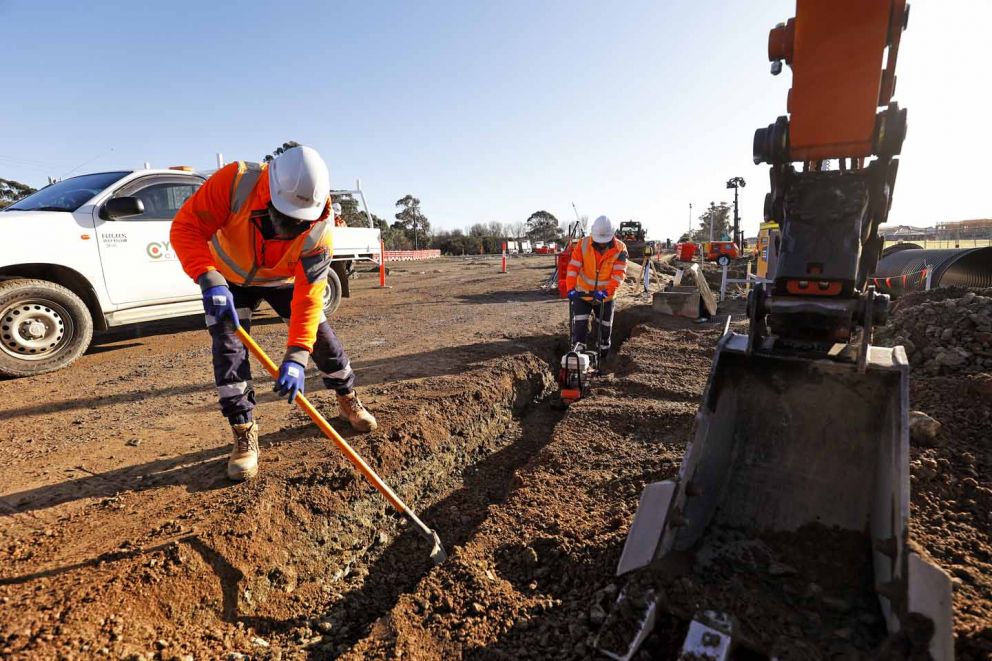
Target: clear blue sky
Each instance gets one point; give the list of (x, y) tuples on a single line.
[(484, 110)]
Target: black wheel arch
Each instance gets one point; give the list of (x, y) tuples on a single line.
[(69, 278)]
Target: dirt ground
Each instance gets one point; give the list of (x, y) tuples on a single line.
[(122, 539)]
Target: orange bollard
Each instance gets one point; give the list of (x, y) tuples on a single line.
[(382, 265), (504, 258)]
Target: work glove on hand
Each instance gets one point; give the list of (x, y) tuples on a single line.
[(290, 381), (599, 295), (573, 294), (218, 302)]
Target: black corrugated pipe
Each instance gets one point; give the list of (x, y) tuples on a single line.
[(907, 270)]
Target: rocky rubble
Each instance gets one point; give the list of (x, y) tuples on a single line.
[(944, 331), (947, 333)]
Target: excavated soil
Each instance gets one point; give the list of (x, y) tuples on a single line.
[(536, 579), (122, 539), (951, 494)]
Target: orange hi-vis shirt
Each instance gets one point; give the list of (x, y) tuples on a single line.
[(217, 237), (590, 270)]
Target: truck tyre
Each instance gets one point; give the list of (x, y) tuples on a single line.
[(43, 327), (332, 293), (723, 260)]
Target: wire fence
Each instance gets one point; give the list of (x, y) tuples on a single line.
[(940, 244)]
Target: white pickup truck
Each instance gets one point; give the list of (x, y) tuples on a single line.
[(93, 252)]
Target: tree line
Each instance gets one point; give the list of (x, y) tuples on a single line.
[(717, 216), (412, 230)]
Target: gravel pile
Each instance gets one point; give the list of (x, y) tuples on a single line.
[(944, 331)]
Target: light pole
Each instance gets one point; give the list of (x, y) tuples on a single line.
[(735, 183), (690, 221), (712, 217)]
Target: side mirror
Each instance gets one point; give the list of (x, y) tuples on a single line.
[(122, 207)]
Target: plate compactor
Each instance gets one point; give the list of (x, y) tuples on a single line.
[(579, 364), (796, 480)]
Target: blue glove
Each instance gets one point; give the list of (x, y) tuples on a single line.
[(599, 295), (290, 381), (573, 294), (218, 302)]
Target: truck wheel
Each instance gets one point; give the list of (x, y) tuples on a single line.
[(43, 327), (332, 293), (723, 260)]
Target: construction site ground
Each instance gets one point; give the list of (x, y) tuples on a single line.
[(122, 538)]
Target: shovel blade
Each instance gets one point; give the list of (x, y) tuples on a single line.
[(437, 551)]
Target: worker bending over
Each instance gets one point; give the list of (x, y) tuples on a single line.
[(595, 271), (257, 232)]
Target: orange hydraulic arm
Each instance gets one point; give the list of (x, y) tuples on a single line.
[(842, 54), (835, 49)]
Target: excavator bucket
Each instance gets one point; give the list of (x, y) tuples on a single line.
[(796, 481)]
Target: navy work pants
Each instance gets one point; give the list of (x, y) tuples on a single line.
[(582, 312), (232, 370)]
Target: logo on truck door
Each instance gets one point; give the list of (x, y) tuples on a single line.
[(160, 250)]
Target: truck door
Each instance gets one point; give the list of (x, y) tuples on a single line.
[(139, 264)]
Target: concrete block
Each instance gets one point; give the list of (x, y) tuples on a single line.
[(677, 303)]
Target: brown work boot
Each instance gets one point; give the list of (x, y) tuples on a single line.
[(355, 413), (243, 462)]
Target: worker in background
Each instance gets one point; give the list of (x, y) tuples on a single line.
[(339, 221), (259, 232), (595, 271), (646, 264)]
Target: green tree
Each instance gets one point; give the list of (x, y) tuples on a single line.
[(456, 242), (279, 150), (718, 215), (411, 220), (11, 191), (351, 213), (491, 235), (391, 238), (543, 226)]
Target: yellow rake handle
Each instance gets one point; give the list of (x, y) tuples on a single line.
[(329, 431)]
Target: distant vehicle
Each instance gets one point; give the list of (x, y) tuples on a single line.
[(631, 231), (633, 234), (93, 252), (766, 249), (721, 252)]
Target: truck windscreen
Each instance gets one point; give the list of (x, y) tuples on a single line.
[(68, 194)]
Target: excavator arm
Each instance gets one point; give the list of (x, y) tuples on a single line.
[(786, 532), (829, 217)]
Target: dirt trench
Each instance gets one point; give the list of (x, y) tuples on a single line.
[(303, 561), (536, 579)]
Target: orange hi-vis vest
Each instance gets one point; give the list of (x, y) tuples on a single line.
[(234, 248), (590, 271)]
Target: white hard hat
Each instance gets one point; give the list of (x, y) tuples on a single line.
[(602, 230), (299, 183), (336, 207)]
